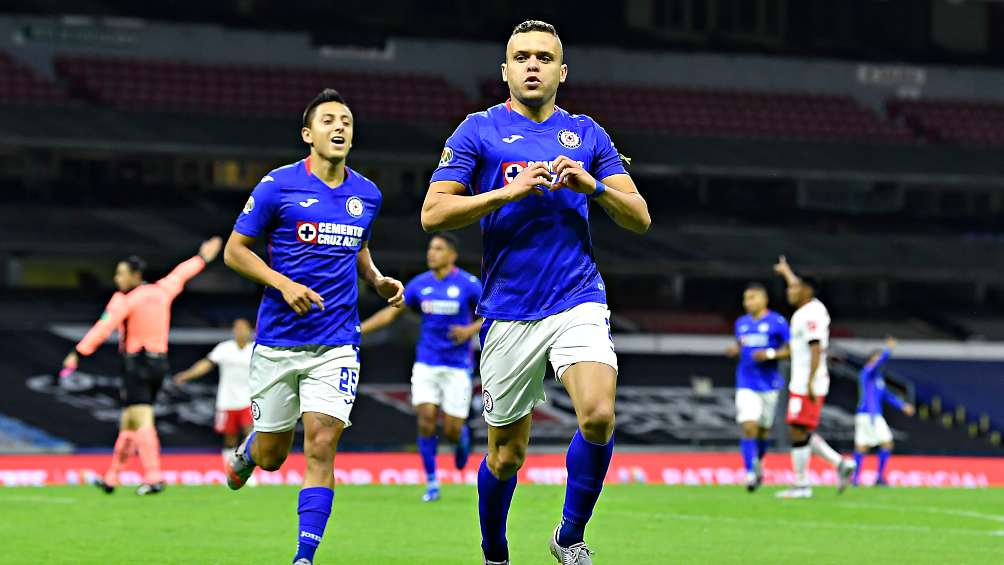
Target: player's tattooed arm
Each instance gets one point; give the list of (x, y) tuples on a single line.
[(239, 256), (446, 207), (387, 287)]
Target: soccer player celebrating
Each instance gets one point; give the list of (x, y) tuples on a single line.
[(441, 377), (528, 170), (141, 313), (870, 428), (761, 339), (318, 216), (810, 382), (233, 398)]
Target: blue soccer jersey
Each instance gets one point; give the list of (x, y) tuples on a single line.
[(314, 234), (443, 303), (769, 332), (872, 391), (537, 252)]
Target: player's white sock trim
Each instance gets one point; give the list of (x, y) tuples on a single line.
[(823, 449)]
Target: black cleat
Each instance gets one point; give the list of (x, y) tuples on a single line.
[(151, 488), (101, 484)]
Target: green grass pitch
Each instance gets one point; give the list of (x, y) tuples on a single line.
[(389, 525)]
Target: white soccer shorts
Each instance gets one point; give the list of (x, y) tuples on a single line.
[(871, 432), (756, 406), (515, 353), (289, 381), (446, 387)]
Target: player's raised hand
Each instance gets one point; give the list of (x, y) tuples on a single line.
[(301, 298), (782, 267), (909, 410), (529, 181), (391, 289), (210, 248), (890, 342), (571, 175)]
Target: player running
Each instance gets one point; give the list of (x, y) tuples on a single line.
[(810, 382), (761, 339), (528, 170), (441, 377), (870, 428), (233, 397), (141, 313), (317, 215)]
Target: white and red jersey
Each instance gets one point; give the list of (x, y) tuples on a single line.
[(810, 323), (234, 363)]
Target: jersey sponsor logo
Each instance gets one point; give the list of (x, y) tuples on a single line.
[(512, 138), (326, 233), (811, 325), (441, 307), (427, 290), (453, 291), (306, 232), (446, 157), (753, 340), (569, 138), (309, 202), (512, 169), (249, 205)]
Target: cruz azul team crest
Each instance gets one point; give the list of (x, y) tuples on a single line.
[(354, 206), (569, 138)]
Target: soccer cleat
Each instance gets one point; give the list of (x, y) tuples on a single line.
[(752, 482), (237, 467), (303, 561), (881, 483), (463, 449), (845, 470), (151, 488), (101, 484), (796, 492), (575, 554), (431, 494), (487, 562)]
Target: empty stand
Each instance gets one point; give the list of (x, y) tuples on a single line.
[(719, 112), (135, 84), (19, 84), (956, 121)]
